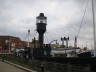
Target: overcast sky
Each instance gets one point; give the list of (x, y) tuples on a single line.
[(64, 19)]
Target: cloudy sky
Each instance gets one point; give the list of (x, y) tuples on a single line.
[(64, 19)]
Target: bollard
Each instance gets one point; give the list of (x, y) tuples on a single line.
[(42, 67)]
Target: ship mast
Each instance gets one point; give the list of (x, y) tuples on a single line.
[(94, 35), (28, 38)]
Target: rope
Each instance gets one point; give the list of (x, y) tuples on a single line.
[(82, 20)]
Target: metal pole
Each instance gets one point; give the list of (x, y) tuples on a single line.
[(94, 36)]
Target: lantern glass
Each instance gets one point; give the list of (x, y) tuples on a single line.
[(41, 18)]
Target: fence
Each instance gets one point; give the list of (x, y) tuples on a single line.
[(48, 66), (57, 67)]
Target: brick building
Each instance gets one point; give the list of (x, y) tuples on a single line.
[(9, 42)]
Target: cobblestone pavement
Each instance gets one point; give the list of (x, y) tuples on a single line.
[(4, 67)]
